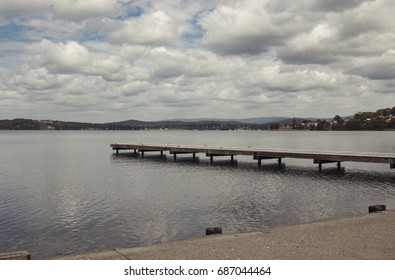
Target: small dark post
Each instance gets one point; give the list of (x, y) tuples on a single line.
[(211, 158), (231, 158), (135, 151), (175, 156), (194, 156), (117, 152), (320, 166), (377, 208), (259, 162), (161, 153), (279, 162), (338, 166), (142, 153), (214, 230)]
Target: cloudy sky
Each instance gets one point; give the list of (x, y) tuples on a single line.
[(112, 60)]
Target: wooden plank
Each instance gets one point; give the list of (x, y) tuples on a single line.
[(18, 255)]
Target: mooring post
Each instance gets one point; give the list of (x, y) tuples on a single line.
[(214, 230), (377, 208)]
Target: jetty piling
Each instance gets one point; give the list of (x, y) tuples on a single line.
[(259, 154)]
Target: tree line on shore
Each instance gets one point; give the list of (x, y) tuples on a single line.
[(382, 119)]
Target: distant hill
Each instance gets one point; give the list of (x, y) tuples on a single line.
[(29, 124), (262, 120)]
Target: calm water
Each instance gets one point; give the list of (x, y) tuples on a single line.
[(66, 192)]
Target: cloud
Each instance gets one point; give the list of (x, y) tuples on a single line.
[(335, 5), (14, 7), (375, 68), (147, 29), (312, 47), (113, 60), (245, 27), (78, 10), (73, 58), (38, 79)]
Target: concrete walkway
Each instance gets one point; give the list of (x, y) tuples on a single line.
[(369, 236)]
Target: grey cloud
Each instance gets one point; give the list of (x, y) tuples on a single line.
[(362, 20), (77, 10), (19, 7), (246, 28), (380, 68), (336, 5)]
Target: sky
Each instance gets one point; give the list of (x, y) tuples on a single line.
[(114, 60)]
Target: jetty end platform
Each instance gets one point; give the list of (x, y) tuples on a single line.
[(259, 154)]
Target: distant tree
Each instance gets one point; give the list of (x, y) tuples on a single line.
[(293, 123), (337, 123), (322, 125), (274, 126)]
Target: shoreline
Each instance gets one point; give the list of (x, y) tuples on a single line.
[(369, 237)]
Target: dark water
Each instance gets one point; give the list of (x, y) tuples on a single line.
[(66, 192)]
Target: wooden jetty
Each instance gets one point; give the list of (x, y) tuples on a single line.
[(259, 154)]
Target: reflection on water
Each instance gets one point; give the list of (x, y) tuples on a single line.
[(66, 192)]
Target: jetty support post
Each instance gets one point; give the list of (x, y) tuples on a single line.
[(175, 153), (392, 165), (143, 151), (212, 155), (260, 158), (320, 162)]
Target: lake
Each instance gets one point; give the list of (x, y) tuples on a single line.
[(66, 192)]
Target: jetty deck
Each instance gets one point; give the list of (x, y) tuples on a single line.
[(259, 154)]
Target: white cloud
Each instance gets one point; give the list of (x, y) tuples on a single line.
[(147, 29), (73, 58), (245, 27)]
